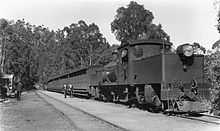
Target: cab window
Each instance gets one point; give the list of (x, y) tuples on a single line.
[(138, 51), (144, 51)]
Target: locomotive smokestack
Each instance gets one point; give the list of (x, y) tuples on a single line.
[(186, 55)]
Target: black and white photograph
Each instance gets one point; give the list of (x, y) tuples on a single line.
[(109, 65)]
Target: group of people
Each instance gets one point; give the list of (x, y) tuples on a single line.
[(68, 89)]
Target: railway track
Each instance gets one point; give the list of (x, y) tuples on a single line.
[(206, 119), (109, 126), (65, 117)]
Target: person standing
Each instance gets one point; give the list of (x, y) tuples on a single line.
[(71, 90), (3, 92), (19, 88), (65, 90)]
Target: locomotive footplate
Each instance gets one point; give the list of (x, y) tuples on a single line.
[(192, 106), (189, 107)]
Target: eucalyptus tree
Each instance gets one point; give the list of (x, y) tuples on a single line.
[(83, 43), (3, 27), (212, 68), (135, 22), (19, 55)]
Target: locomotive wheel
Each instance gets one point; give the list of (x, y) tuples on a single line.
[(170, 107), (156, 101), (157, 104), (165, 109), (164, 106), (175, 106), (109, 97), (132, 102), (103, 98)]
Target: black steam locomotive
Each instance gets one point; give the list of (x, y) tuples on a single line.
[(146, 73)]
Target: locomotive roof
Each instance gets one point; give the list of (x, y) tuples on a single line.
[(146, 42), (149, 42)]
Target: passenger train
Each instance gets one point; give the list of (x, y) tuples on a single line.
[(145, 73)]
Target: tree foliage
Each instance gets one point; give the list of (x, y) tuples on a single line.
[(212, 69), (84, 43), (135, 22), (19, 54), (217, 43), (35, 53)]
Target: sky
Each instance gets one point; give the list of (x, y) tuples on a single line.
[(186, 21)]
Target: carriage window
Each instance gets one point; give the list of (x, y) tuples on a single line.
[(138, 51)]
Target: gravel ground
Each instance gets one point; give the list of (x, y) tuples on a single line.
[(40, 113), (81, 120), (135, 119), (31, 114)]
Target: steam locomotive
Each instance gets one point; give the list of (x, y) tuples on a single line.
[(146, 73)]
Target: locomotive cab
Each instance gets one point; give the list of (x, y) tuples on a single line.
[(144, 49), (144, 60), (157, 75), (135, 68)]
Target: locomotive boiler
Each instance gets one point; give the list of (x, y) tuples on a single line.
[(146, 73)]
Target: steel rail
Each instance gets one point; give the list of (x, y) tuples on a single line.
[(62, 114), (218, 117), (200, 118)]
